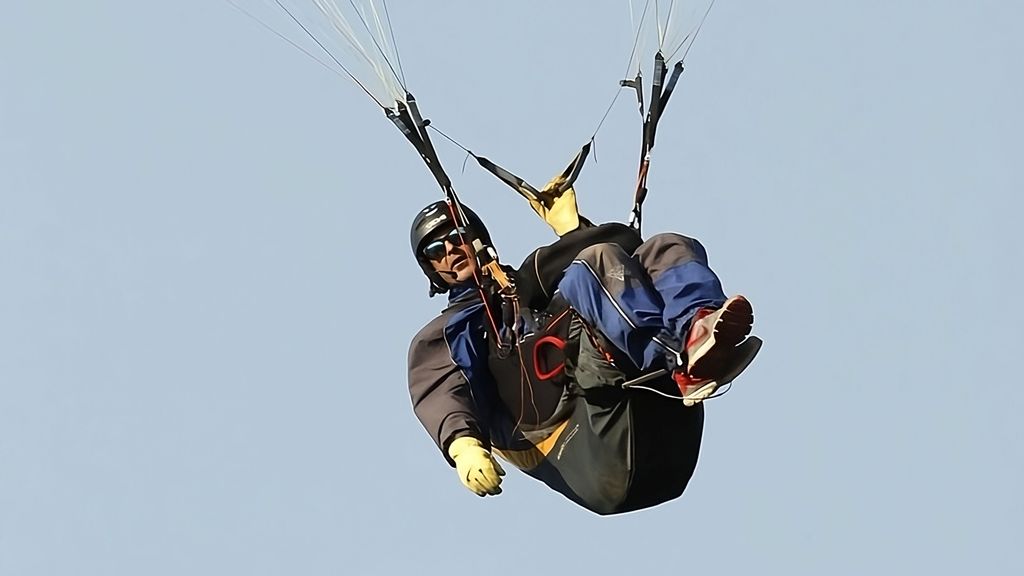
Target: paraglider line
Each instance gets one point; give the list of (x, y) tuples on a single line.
[(668, 18), (285, 38), (398, 56), (636, 40), (328, 52), (377, 44), (657, 22), (452, 140), (606, 113), (629, 65), (696, 32)]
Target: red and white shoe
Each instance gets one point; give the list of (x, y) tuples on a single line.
[(717, 349)]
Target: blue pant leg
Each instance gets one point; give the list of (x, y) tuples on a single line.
[(678, 268), (613, 293)]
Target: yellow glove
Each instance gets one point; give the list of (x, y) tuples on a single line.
[(477, 469), (556, 206)]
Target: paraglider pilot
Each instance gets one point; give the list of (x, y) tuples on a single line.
[(617, 344)]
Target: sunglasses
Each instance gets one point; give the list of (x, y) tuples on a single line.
[(436, 250)]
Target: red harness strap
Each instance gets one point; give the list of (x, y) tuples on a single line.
[(553, 341)]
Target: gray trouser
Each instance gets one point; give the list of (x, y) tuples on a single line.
[(643, 302)]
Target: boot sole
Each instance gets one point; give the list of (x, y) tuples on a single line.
[(744, 354), (733, 323)]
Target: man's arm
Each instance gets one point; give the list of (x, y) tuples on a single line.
[(444, 404), (440, 393)]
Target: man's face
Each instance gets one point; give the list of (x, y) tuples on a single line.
[(454, 260)]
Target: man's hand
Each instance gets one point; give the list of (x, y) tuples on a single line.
[(477, 469), (557, 206)]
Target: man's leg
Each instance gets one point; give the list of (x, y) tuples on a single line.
[(613, 294), (697, 314), (679, 272), (664, 307)]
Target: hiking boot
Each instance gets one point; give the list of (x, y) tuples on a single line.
[(696, 390), (713, 353)]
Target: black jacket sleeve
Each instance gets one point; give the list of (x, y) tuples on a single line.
[(441, 395)]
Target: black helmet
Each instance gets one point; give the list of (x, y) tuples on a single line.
[(434, 217)]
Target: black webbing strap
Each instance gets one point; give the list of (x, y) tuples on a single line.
[(515, 182), (569, 176), (660, 94), (654, 113), (407, 118)]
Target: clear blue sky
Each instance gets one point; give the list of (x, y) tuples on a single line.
[(206, 294)]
